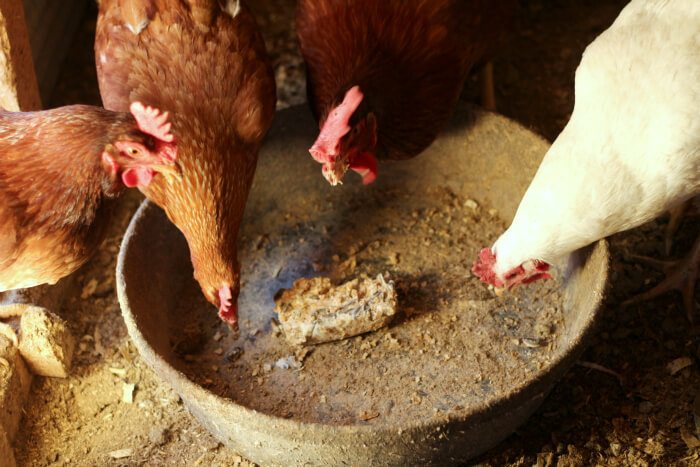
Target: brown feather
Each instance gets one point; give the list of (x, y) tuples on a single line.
[(204, 11)]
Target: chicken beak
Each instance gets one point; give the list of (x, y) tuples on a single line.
[(334, 172)]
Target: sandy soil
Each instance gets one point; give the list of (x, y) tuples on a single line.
[(636, 412)]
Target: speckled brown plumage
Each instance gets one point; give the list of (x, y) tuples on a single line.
[(55, 193), (409, 57), (206, 65)]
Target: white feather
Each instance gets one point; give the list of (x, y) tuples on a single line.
[(631, 149), (137, 28)]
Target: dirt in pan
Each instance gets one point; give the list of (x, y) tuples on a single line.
[(647, 416), (452, 347)]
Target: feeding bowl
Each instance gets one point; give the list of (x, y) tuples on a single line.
[(456, 371)]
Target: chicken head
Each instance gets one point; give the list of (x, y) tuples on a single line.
[(205, 62), (341, 145), (526, 273), (138, 161)]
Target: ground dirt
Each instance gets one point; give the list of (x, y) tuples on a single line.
[(622, 405)]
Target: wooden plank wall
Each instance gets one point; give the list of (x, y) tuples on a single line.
[(51, 25), (18, 87)]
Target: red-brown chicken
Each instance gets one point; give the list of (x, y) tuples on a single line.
[(59, 170), (205, 62), (383, 77)]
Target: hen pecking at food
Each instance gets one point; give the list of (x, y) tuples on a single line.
[(383, 77), (60, 170), (630, 151), (205, 61)]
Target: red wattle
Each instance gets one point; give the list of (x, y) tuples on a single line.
[(230, 316), (365, 164), (139, 176)]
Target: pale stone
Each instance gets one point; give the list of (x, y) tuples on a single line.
[(46, 343)]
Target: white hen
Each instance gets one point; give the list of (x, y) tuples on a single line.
[(630, 151)]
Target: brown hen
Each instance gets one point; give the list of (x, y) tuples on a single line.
[(205, 62), (60, 170), (383, 77)]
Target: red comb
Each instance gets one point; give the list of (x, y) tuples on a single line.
[(483, 268), (151, 121), (336, 126)]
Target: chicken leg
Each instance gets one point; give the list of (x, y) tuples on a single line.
[(681, 275), (674, 221), (488, 93)]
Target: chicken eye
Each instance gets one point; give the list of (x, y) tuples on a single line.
[(134, 151)]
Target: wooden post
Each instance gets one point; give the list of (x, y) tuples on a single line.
[(18, 84), (18, 91)]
